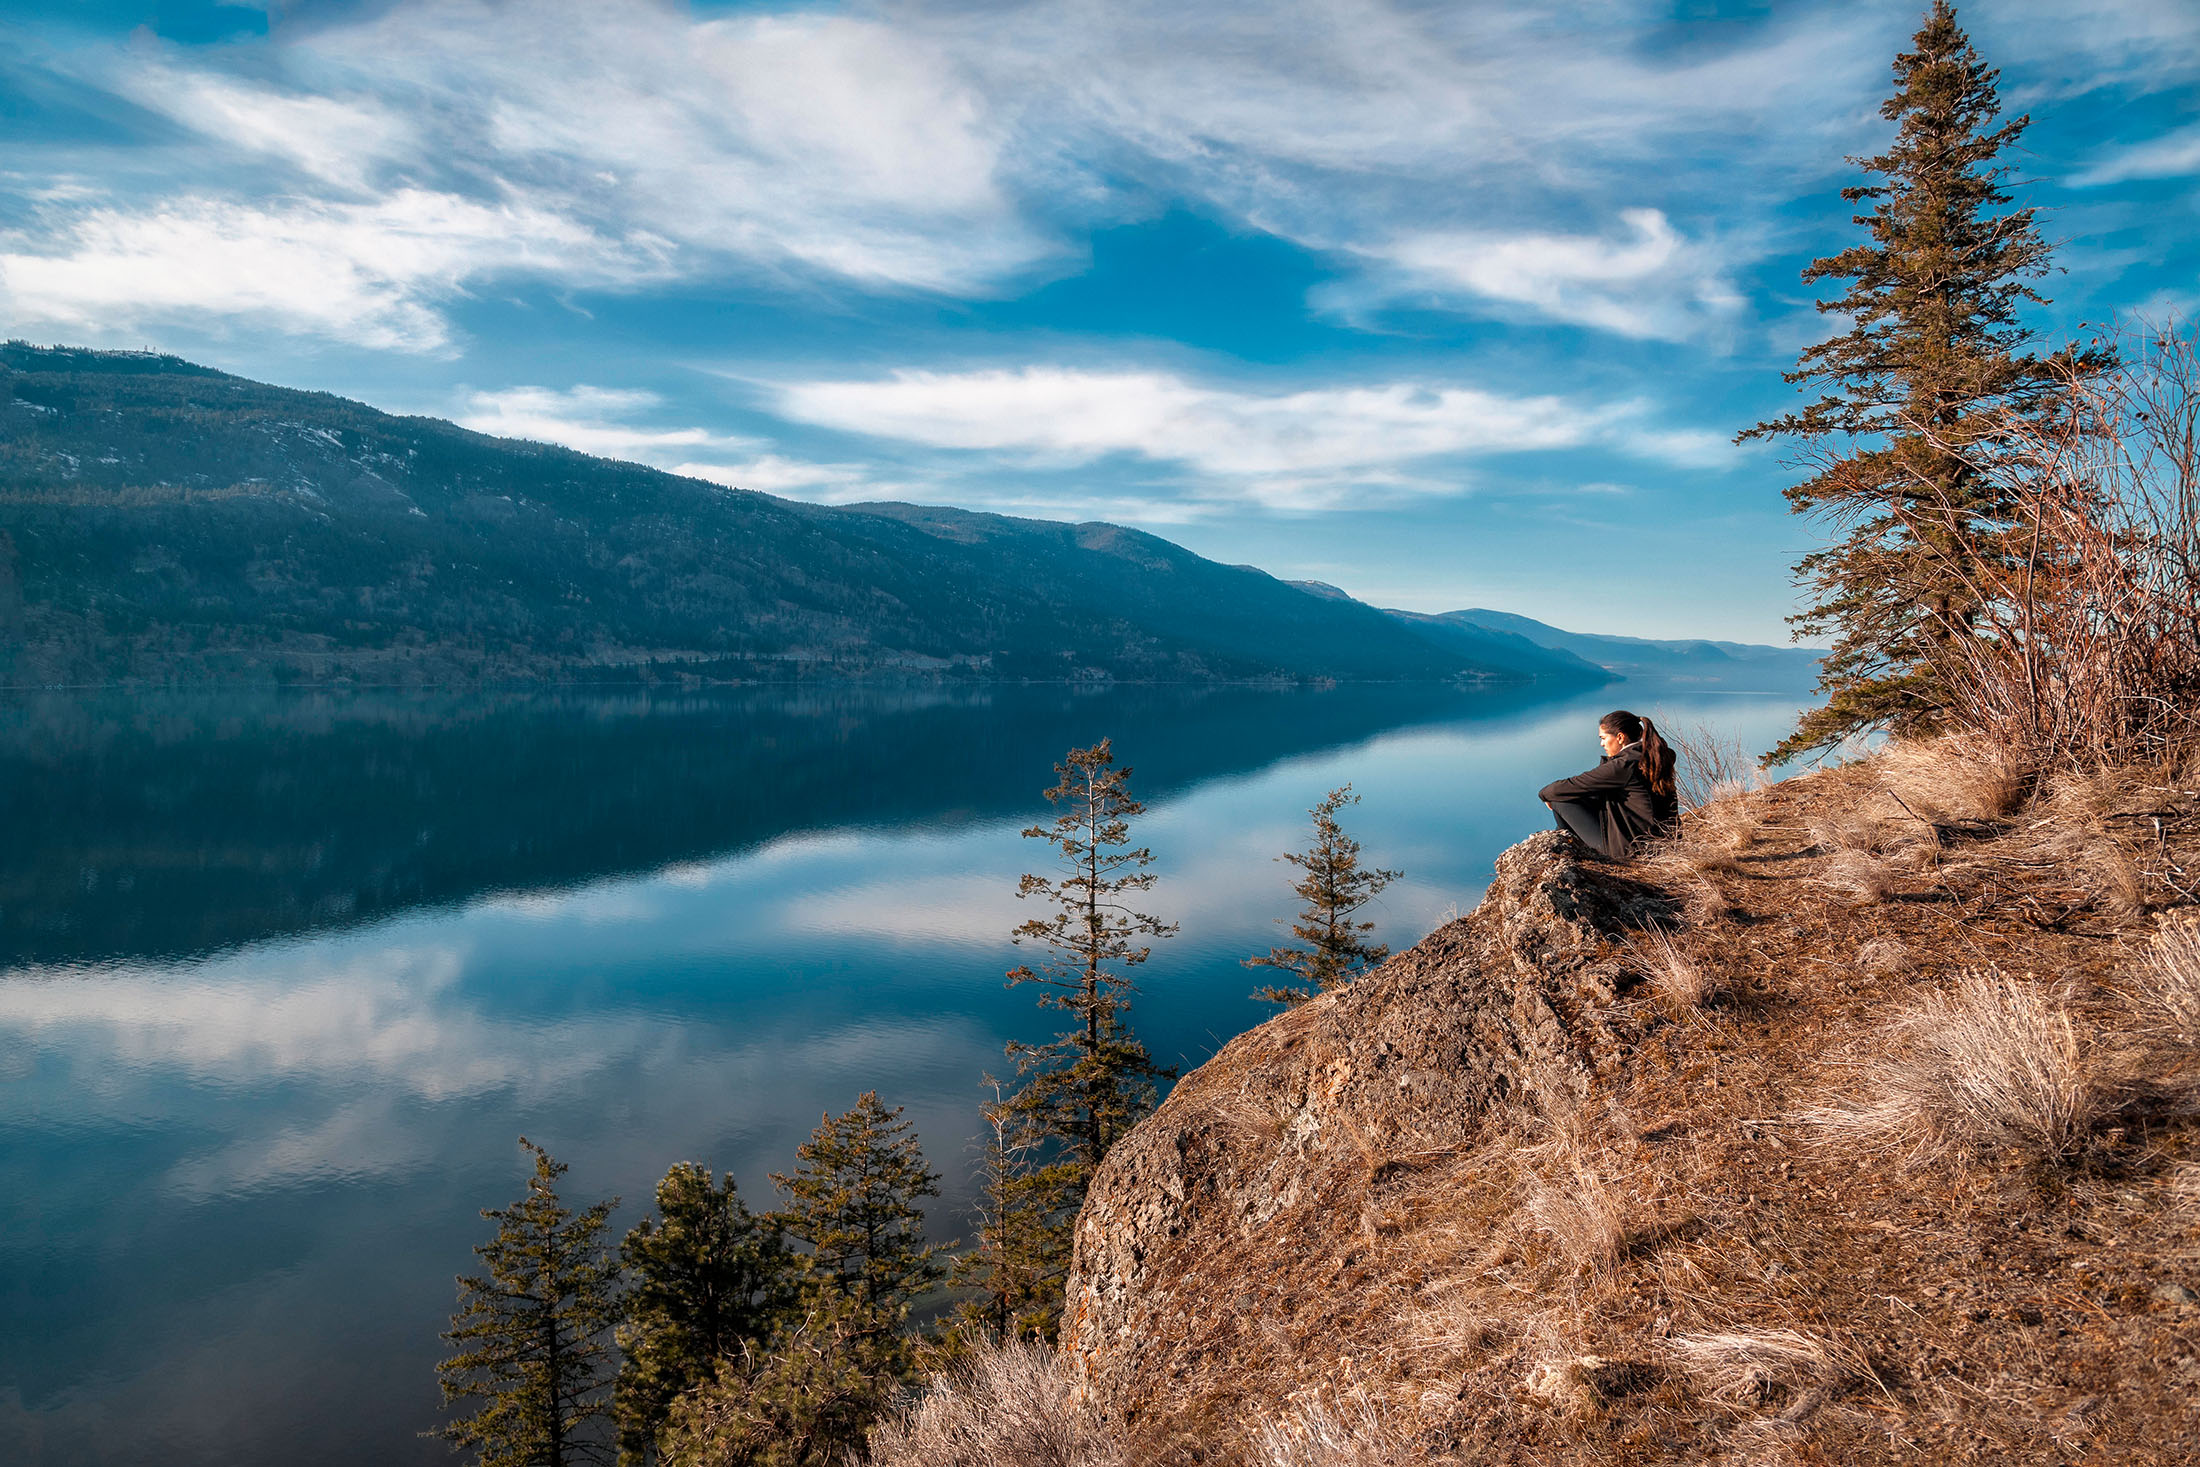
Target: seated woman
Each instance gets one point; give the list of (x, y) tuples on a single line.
[(1628, 798)]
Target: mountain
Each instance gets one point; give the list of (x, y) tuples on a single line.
[(165, 521), (1526, 647), (1695, 660), (1484, 646)]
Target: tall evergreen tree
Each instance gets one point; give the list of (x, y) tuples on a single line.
[(855, 1198), (708, 1278), (533, 1332), (1095, 1081), (1026, 1206), (1334, 886), (1917, 394)]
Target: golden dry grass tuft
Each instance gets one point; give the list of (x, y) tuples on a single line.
[(1952, 779), (1861, 877), (1007, 1405), (1994, 1062), (1676, 981), (1350, 1433), (1742, 1367), (1583, 1216), (2170, 984)]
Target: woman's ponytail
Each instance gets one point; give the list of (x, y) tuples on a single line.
[(1657, 760)]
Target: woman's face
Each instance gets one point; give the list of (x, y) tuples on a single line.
[(1613, 742)]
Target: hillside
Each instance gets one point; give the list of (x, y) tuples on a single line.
[(163, 521), (1859, 1126), (1692, 660), (1487, 646)]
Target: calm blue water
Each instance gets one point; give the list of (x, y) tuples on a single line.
[(283, 978)]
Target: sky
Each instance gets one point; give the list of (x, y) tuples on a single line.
[(1448, 305)]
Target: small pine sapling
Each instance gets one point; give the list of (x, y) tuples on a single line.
[(1333, 945), (1095, 1080), (532, 1334)]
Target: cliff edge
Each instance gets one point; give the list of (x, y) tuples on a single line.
[(1670, 1162)]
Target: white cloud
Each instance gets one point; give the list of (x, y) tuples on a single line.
[(341, 140), (591, 419), (2173, 155), (374, 273), (600, 420), (1651, 283), (1299, 449)]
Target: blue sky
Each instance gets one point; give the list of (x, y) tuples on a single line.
[(1449, 305)]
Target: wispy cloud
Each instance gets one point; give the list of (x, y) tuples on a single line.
[(1302, 449), (1455, 150), (2173, 155), (374, 273), (611, 422), (1648, 283)]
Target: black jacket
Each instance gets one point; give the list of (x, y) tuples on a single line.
[(1621, 793)]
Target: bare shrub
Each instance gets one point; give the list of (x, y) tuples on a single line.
[(1992, 1063), (2083, 647), (1008, 1405), (1677, 981), (1712, 766), (1741, 1367), (1584, 1216), (1883, 957), (1352, 1433)]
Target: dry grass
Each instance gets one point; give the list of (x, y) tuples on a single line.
[(1849, 832), (1351, 1433), (2170, 984), (1677, 981), (1952, 780), (1994, 1062), (1009, 1405), (1742, 1367), (1863, 878), (1583, 1216), (1883, 957)]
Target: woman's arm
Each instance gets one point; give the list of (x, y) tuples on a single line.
[(1607, 780)]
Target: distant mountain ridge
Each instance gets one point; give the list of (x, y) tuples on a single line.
[(1497, 635), (164, 521)]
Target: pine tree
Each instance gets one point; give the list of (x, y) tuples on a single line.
[(709, 1278), (1095, 1081), (1917, 395), (853, 1198), (806, 1401), (1025, 1211), (532, 1333), (1334, 887)]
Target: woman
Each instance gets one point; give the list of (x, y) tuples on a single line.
[(1628, 798)]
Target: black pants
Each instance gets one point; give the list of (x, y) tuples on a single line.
[(1585, 822)]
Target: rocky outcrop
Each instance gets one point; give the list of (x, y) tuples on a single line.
[(1218, 1215)]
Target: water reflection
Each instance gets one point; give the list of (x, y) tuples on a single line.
[(246, 1128), (172, 824)]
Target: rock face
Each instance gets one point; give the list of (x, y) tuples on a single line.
[(1229, 1201)]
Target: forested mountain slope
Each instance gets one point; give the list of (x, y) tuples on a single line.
[(164, 521)]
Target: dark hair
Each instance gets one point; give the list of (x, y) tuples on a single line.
[(1657, 758)]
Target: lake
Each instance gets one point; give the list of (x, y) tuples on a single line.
[(283, 977)]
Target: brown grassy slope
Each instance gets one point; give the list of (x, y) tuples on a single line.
[(1524, 1195)]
